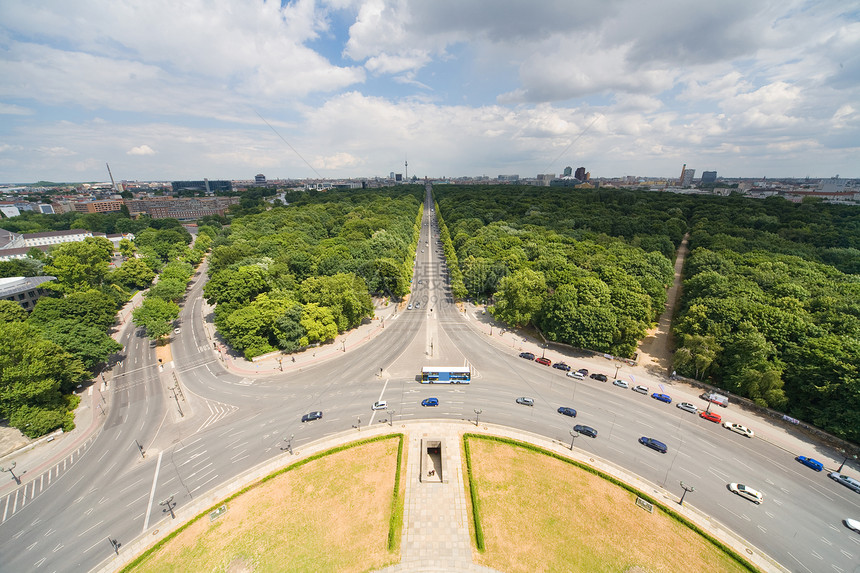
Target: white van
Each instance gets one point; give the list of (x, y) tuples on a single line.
[(747, 492), (381, 405)]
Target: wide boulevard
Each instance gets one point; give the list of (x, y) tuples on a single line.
[(234, 420)]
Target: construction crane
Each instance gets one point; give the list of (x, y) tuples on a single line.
[(112, 182)]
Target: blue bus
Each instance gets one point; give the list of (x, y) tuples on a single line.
[(446, 375)]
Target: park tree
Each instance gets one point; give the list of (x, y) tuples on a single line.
[(156, 316), (169, 289), (134, 273), (319, 324), (79, 266), (89, 344), (92, 308), (344, 293), (11, 311), (126, 248), (696, 354), (520, 297)]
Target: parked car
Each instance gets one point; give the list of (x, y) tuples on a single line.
[(662, 397), (848, 482), (654, 444), (739, 429), (641, 389), (526, 401), (527, 355), (544, 361), (311, 416), (175, 331), (576, 374), (601, 377), (381, 405), (747, 492), (430, 402), (621, 383), (585, 431), (710, 416), (409, 306), (561, 366), (567, 411), (417, 305), (583, 371), (811, 463), (687, 407)]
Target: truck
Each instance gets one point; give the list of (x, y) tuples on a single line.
[(717, 399)]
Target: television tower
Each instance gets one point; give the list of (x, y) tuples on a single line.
[(406, 165)]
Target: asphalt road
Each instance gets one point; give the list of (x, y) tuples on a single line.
[(231, 422)]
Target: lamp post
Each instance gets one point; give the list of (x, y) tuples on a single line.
[(115, 544), (573, 435), (839, 471), (687, 489), (391, 418), (9, 469), (477, 416), (617, 368), (170, 505), (290, 443)]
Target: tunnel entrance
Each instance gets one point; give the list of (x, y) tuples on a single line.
[(433, 463)]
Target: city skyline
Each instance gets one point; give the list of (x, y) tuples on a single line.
[(354, 88)]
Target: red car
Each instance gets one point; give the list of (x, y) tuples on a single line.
[(711, 416), (544, 361)]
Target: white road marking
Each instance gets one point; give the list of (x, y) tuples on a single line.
[(90, 528), (152, 492)]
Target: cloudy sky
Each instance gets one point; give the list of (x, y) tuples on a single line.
[(175, 89)]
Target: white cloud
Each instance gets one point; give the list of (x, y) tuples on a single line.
[(12, 109), (140, 150)]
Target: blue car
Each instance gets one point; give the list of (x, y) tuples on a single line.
[(653, 444), (430, 402), (567, 411), (811, 463), (662, 397)]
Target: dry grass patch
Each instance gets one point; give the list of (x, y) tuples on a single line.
[(542, 514), (328, 515)]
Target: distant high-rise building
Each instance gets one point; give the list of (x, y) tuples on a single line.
[(213, 186), (580, 173), (398, 177), (568, 171), (709, 177), (259, 179), (688, 177), (683, 173)]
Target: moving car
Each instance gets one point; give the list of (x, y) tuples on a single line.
[(641, 389), (739, 429), (662, 397), (417, 305), (710, 416), (852, 524), (848, 482), (409, 307), (381, 405), (311, 416), (654, 444), (811, 463), (600, 377), (544, 361), (621, 383), (526, 401), (585, 431), (747, 492), (561, 366), (430, 402), (687, 407), (576, 374), (527, 355), (567, 411)]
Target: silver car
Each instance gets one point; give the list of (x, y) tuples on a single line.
[(641, 389), (687, 407), (526, 401), (621, 383)]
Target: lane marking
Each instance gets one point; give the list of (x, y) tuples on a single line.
[(152, 492)]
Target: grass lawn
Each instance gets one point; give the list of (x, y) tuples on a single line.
[(331, 514), (539, 513)]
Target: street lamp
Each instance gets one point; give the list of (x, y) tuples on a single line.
[(290, 443), (170, 505), (477, 416), (687, 489), (846, 455), (391, 418), (573, 435), (115, 544), (617, 368), (9, 469)]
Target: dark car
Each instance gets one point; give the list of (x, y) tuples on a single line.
[(654, 444), (809, 462), (583, 371), (430, 402), (585, 431), (567, 411), (527, 355), (311, 416), (561, 366), (544, 361), (662, 397), (600, 377)]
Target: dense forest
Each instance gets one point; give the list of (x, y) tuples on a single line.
[(771, 303), (290, 277)]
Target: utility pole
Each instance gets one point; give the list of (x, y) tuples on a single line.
[(139, 449), (391, 418), (687, 489), (477, 416), (115, 544), (170, 505)]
